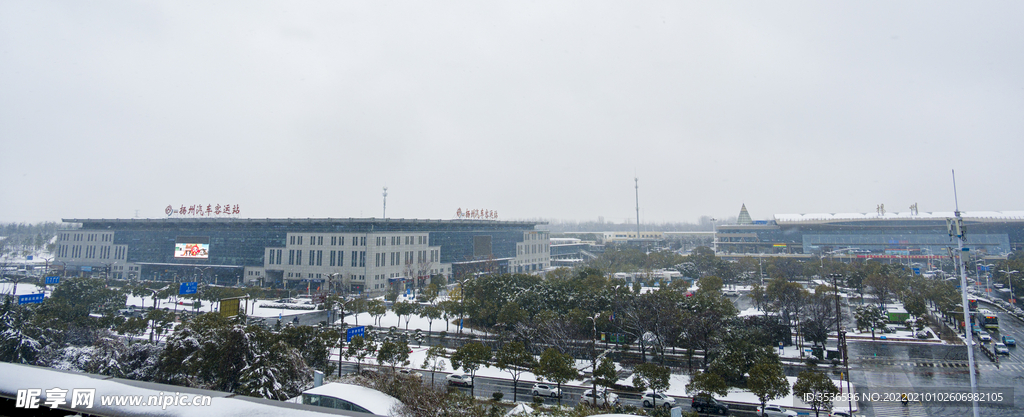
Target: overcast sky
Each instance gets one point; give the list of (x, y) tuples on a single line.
[(533, 109)]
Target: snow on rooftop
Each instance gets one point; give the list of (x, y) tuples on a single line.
[(907, 215), (32, 377), (377, 402)]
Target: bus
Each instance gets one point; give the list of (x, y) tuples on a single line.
[(986, 319), (972, 303)]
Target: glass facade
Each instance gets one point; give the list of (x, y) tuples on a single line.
[(895, 237), (238, 243)]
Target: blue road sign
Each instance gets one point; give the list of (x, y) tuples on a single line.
[(28, 257), (188, 288), (53, 280), (353, 332), (917, 271), (30, 298)]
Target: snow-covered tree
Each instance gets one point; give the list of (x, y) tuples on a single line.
[(19, 341), (220, 353)]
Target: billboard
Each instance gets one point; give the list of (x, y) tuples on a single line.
[(192, 250)]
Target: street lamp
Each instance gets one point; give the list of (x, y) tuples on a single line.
[(593, 355), (714, 236), (202, 271), (1009, 281)]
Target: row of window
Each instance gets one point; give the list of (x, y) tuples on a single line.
[(315, 257), (528, 249), (319, 240), (79, 251), (88, 237)]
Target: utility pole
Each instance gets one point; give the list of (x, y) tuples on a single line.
[(637, 182), (956, 229)]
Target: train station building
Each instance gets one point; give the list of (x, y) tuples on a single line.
[(361, 255), (881, 234)]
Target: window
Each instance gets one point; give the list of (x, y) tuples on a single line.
[(312, 255), (355, 258), (298, 256), (300, 240), (291, 240), (334, 240), (362, 258), (319, 257), (291, 257), (341, 240), (332, 256), (320, 240), (279, 256), (341, 258)]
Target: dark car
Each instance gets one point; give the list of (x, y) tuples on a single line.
[(709, 405)]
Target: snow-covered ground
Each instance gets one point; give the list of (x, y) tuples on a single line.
[(23, 288)]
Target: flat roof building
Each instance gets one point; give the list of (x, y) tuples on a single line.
[(365, 255), (882, 234)]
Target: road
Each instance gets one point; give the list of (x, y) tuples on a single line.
[(485, 386), (931, 369)]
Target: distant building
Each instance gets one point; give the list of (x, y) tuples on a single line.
[(880, 234), (623, 237), (364, 255)]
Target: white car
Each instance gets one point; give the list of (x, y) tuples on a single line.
[(1001, 349), (459, 379), (984, 336), (658, 400), (604, 397), (775, 411), (546, 390)]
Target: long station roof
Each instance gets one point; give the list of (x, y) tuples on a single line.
[(993, 216)]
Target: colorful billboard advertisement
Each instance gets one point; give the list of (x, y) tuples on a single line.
[(192, 250)]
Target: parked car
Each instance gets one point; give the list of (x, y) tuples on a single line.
[(840, 414), (1008, 340), (603, 397), (975, 329), (707, 404), (654, 399), (775, 411), (459, 379), (546, 390), (984, 336), (1001, 349)]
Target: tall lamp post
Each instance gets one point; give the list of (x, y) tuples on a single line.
[(714, 235), (956, 229), (1009, 282), (593, 355), (841, 340)]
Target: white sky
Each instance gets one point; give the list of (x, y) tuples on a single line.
[(534, 109)]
